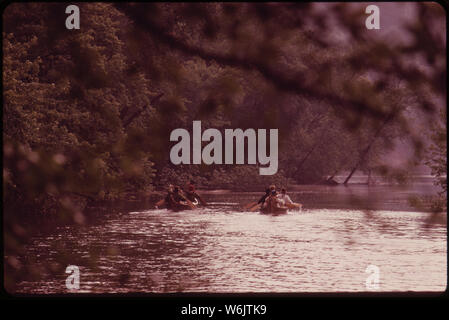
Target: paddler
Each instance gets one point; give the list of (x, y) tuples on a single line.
[(268, 192), (178, 195), (273, 202), (286, 201), (169, 200), (284, 197), (192, 194), (264, 197)]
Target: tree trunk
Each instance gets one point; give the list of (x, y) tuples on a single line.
[(367, 149), (350, 174), (305, 158), (309, 153)]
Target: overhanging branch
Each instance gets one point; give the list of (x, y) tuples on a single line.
[(282, 82)]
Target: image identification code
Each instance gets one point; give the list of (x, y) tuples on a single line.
[(236, 309)]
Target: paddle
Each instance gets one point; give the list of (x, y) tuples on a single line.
[(191, 205), (254, 208), (201, 200), (160, 203), (294, 205), (249, 205)]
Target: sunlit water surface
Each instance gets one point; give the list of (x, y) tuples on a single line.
[(223, 249)]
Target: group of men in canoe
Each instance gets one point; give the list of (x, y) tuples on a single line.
[(179, 199), (273, 201)]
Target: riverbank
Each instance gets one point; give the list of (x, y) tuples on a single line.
[(419, 196), (80, 210)]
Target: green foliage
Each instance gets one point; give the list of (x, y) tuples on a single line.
[(73, 98)]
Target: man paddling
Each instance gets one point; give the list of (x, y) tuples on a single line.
[(264, 197), (286, 201), (261, 203), (192, 194), (284, 197), (273, 202), (169, 200)]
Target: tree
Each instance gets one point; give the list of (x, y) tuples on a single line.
[(437, 152)]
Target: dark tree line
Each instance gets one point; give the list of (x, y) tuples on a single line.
[(106, 97)]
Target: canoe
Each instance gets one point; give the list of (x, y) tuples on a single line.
[(281, 210), (294, 205), (183, 205)]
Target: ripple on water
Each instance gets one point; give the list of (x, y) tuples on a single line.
[(220, 250)]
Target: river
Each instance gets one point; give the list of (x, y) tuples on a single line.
[(325, 247)]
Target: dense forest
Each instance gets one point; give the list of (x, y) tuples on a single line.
[(88, 112)]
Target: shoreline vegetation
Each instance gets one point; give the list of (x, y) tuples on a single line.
[(128, 201), (85, 209)]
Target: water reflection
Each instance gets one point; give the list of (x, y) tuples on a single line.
[(221, 249)]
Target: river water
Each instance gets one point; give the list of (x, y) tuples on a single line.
[(325, 247)]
